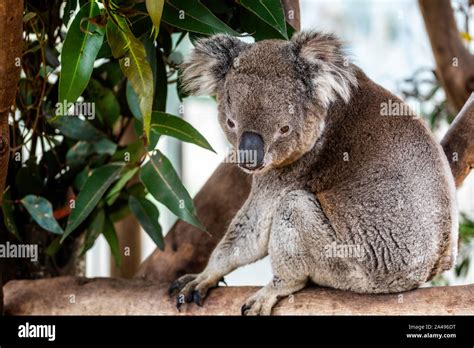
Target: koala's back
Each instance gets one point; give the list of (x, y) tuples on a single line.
[(385, 184)]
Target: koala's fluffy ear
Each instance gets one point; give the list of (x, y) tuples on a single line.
[(332, 75), (209, 62)]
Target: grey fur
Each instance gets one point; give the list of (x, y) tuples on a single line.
[(348, 198), (209, 62)]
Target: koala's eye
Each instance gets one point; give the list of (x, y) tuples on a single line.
[(284, 129), (230, 123)]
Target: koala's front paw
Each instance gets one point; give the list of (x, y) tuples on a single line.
[(192, 288), (259, 304)]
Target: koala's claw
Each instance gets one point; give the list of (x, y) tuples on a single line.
[(245, 307), (180, 283), (192, 288), (197, 299), (179, 303), (174, 287), (259, 304)]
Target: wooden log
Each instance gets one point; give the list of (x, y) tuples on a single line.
[(109, 296)]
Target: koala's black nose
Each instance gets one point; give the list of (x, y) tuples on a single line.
[(251, 150)]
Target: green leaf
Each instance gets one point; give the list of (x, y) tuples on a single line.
[(193, 16), (137, 190), (54, 247), (81, 178), (41, 211), (160, 79), (119, 212), (25, 92), (92, 191), (132, 58), (147, 214), (93, 231), (107, 106), (132, 153), (98, 161), (114, 192), (111, 237), (105, 51), (154, 138), (161, 83), (166, 124), (466, 229), (79, 53), (270, 11), (161, 180), (77, 155), (155, 10), (8, 218), (260, 29), (154, 57), (105, 147), (133, 102), (75, 128)]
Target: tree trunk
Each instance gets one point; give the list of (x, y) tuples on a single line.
[(455, 72), (128, 233), (128, 229), (458, 143), (11, 27), (105, 296), (455, 65), (188, 249)]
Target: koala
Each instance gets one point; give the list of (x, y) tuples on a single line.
[(343, 195)]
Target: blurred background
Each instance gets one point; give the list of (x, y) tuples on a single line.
[(388, 40)]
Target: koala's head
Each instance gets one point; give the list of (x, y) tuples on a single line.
[(272, 95)]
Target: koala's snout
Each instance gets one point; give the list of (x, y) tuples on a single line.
[(251, 150)]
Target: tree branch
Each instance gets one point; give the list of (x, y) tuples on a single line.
[(458, 143), (455, 65), (455, 72), (106, 296)]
